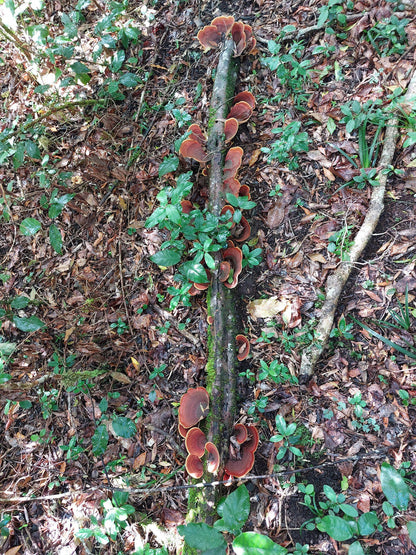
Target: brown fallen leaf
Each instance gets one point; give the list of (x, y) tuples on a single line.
[(265, 308), (276, 214), (254, 157), (120, 377)]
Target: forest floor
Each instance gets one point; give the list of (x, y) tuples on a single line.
[(95, 363)]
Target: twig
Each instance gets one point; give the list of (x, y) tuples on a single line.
[(338, 279), (171, 318), (65, 106), (120, 271), (381, 454)]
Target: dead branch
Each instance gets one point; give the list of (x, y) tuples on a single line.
[(337, 281)]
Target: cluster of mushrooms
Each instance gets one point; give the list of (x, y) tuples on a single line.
[(194, 405), (193, 408)]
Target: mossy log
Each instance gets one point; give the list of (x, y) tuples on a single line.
[(222, 355)]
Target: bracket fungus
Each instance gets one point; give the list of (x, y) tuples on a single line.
[(241, 111), (193, 407), (196, 134), (243, 347), (242, 231), (195, 442), (242, 465), (232, 161), (240, 433), (213, 459), (191, 148), (194, 466), (232, 185), (245, 96), (234, 256), (230, 129)]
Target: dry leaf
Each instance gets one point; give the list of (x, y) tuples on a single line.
[(317, 257), (276, 214), (139, 461), (254, 157), (265, 308), (13, 550), (120, 377)]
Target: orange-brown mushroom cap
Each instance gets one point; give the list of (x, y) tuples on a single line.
[(230, 129), (194, 466), (195, 442), (213, 459), (223, 23), (239, 37), (232, 185), (241, 111), (243, 346), (209, 37), (232, 161), (250, 40), (234, 255), (245, 96), (190, 148), (243, 229), (193, 407), (240, 433), (240, 467), (244, 191), (225, 270), (197, 134), (252, 443), (183, 431)]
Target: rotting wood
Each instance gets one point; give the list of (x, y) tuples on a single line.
[(338, 279), (222, 355)]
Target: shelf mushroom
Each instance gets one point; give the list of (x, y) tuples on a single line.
[(195, 442), (194, 466), (243, 347), (193, 407)]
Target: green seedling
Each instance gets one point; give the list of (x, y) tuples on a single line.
[(120, 327), (343, 330), (276, 372), (287, 436)]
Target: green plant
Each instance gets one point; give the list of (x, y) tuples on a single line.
[(47, 400), (276, 372), (343, 330), (233, 511), (290, 70), (251, 258), (290, 142), (333, 14), (287, 437), (259, 404), (114, 520), (4, 522), (389, 36), (73, 449), (120, 327), (339, 243), (158, 372)]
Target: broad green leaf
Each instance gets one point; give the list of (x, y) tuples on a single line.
[(4, 378), (20, 302), (349, 510), (201, 536), (336, 527), (19, 155), (323, 16), (173, 214), (355, 549), (28, 324), (411, 528), (117, 61), (124, 427), (55, 238), (30, 226), (129, 80), (166, 258), (331, 126), (32, 150), (168, 165), (367, 523), (210, 262), (25, 404), (6, 349), (99, 441), (251, 543), (235, 509), (394, 487), (79, 68), (194, 271)]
